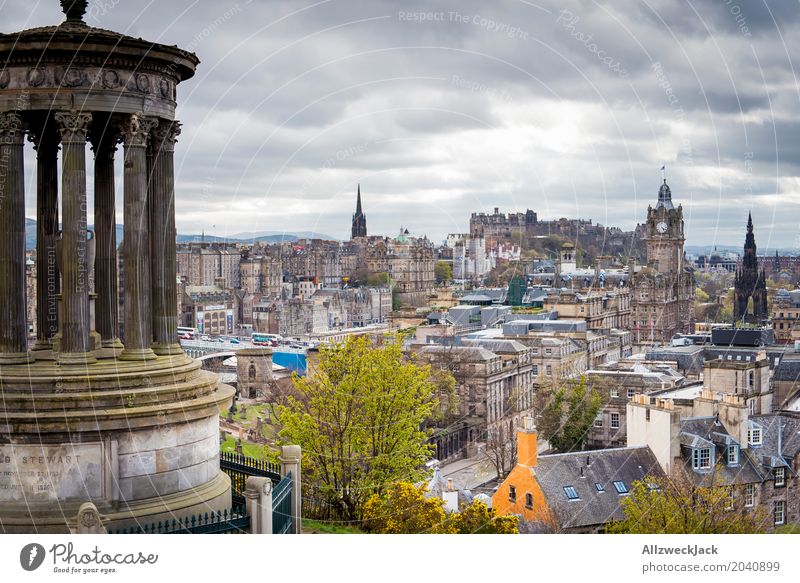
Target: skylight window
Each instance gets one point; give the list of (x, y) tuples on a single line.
[(621, 487), (571, 492), (600, 487)]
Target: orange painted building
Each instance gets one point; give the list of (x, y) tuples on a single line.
[(520, 492)]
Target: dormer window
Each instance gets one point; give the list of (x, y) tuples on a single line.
[(701, 458), (733, 455), (754, 435), (780, 477)]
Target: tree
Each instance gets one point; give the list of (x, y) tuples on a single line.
[(568, 430), (443, 272), (379, 279), (359, 420), (501, 437), (404, 509), (477, 518), (677, 505)]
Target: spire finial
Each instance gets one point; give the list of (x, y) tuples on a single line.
[(74, 10), (664, 173)]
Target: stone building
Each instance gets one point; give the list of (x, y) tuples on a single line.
[(555, 357), (746, 376), (30, 295), (202, 263), (662, 303), (495, 387), (750, 283), (499, 227), (756, 456), (409, 261), (602, 309), (253, 372), (617, 383), (786, 316), (260, 275), (210, 308)]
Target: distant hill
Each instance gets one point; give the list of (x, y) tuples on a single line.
[(708, 249), (262, 237)]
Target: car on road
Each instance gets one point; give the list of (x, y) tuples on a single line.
[(234, 341), (205, 338)]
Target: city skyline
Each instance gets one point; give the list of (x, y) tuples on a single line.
[(448, 109)]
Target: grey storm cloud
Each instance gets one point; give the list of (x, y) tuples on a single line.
[(439, 109)]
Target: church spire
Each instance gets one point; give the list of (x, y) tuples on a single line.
[(359, 225)]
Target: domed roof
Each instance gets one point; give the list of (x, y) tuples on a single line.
[(74, 39), (665, 196)]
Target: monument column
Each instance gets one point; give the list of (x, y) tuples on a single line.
[(14, 332), (75, 346), (136, 245), (47, 280), (104, 142), (161, 207)]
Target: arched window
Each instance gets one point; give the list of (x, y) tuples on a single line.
[(251, 373)]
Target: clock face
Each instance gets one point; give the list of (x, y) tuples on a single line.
[(661, 227)]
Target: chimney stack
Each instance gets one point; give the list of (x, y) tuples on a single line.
[(526, 443)]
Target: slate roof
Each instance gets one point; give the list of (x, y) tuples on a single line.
[(593, 508), (789, 427), (467, 353), (705, 432), (499, 345)]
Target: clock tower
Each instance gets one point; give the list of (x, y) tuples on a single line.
[(663, 290), (664, 233)]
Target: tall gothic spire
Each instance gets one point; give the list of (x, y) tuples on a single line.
[(359, 225)]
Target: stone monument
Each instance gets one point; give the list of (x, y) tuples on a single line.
[(131, 427), (254, 372)]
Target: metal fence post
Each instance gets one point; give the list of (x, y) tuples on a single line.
[(290, 462), (258, 497)]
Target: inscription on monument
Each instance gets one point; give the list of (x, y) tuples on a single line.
[(33, 473)]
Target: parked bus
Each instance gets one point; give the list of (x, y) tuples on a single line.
[(187, 333), (261, 339)]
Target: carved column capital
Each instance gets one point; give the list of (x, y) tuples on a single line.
[(73, 125), (104, 144), (12, 130), (136, 129), (165, 134), (45, 140)]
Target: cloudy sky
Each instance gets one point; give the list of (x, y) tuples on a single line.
[(440, 109)]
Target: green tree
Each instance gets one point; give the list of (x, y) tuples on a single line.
[(443, 272), (379, 279), (404, 509), (569, 415), (477, 518), (359, 420), (677, 505)]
